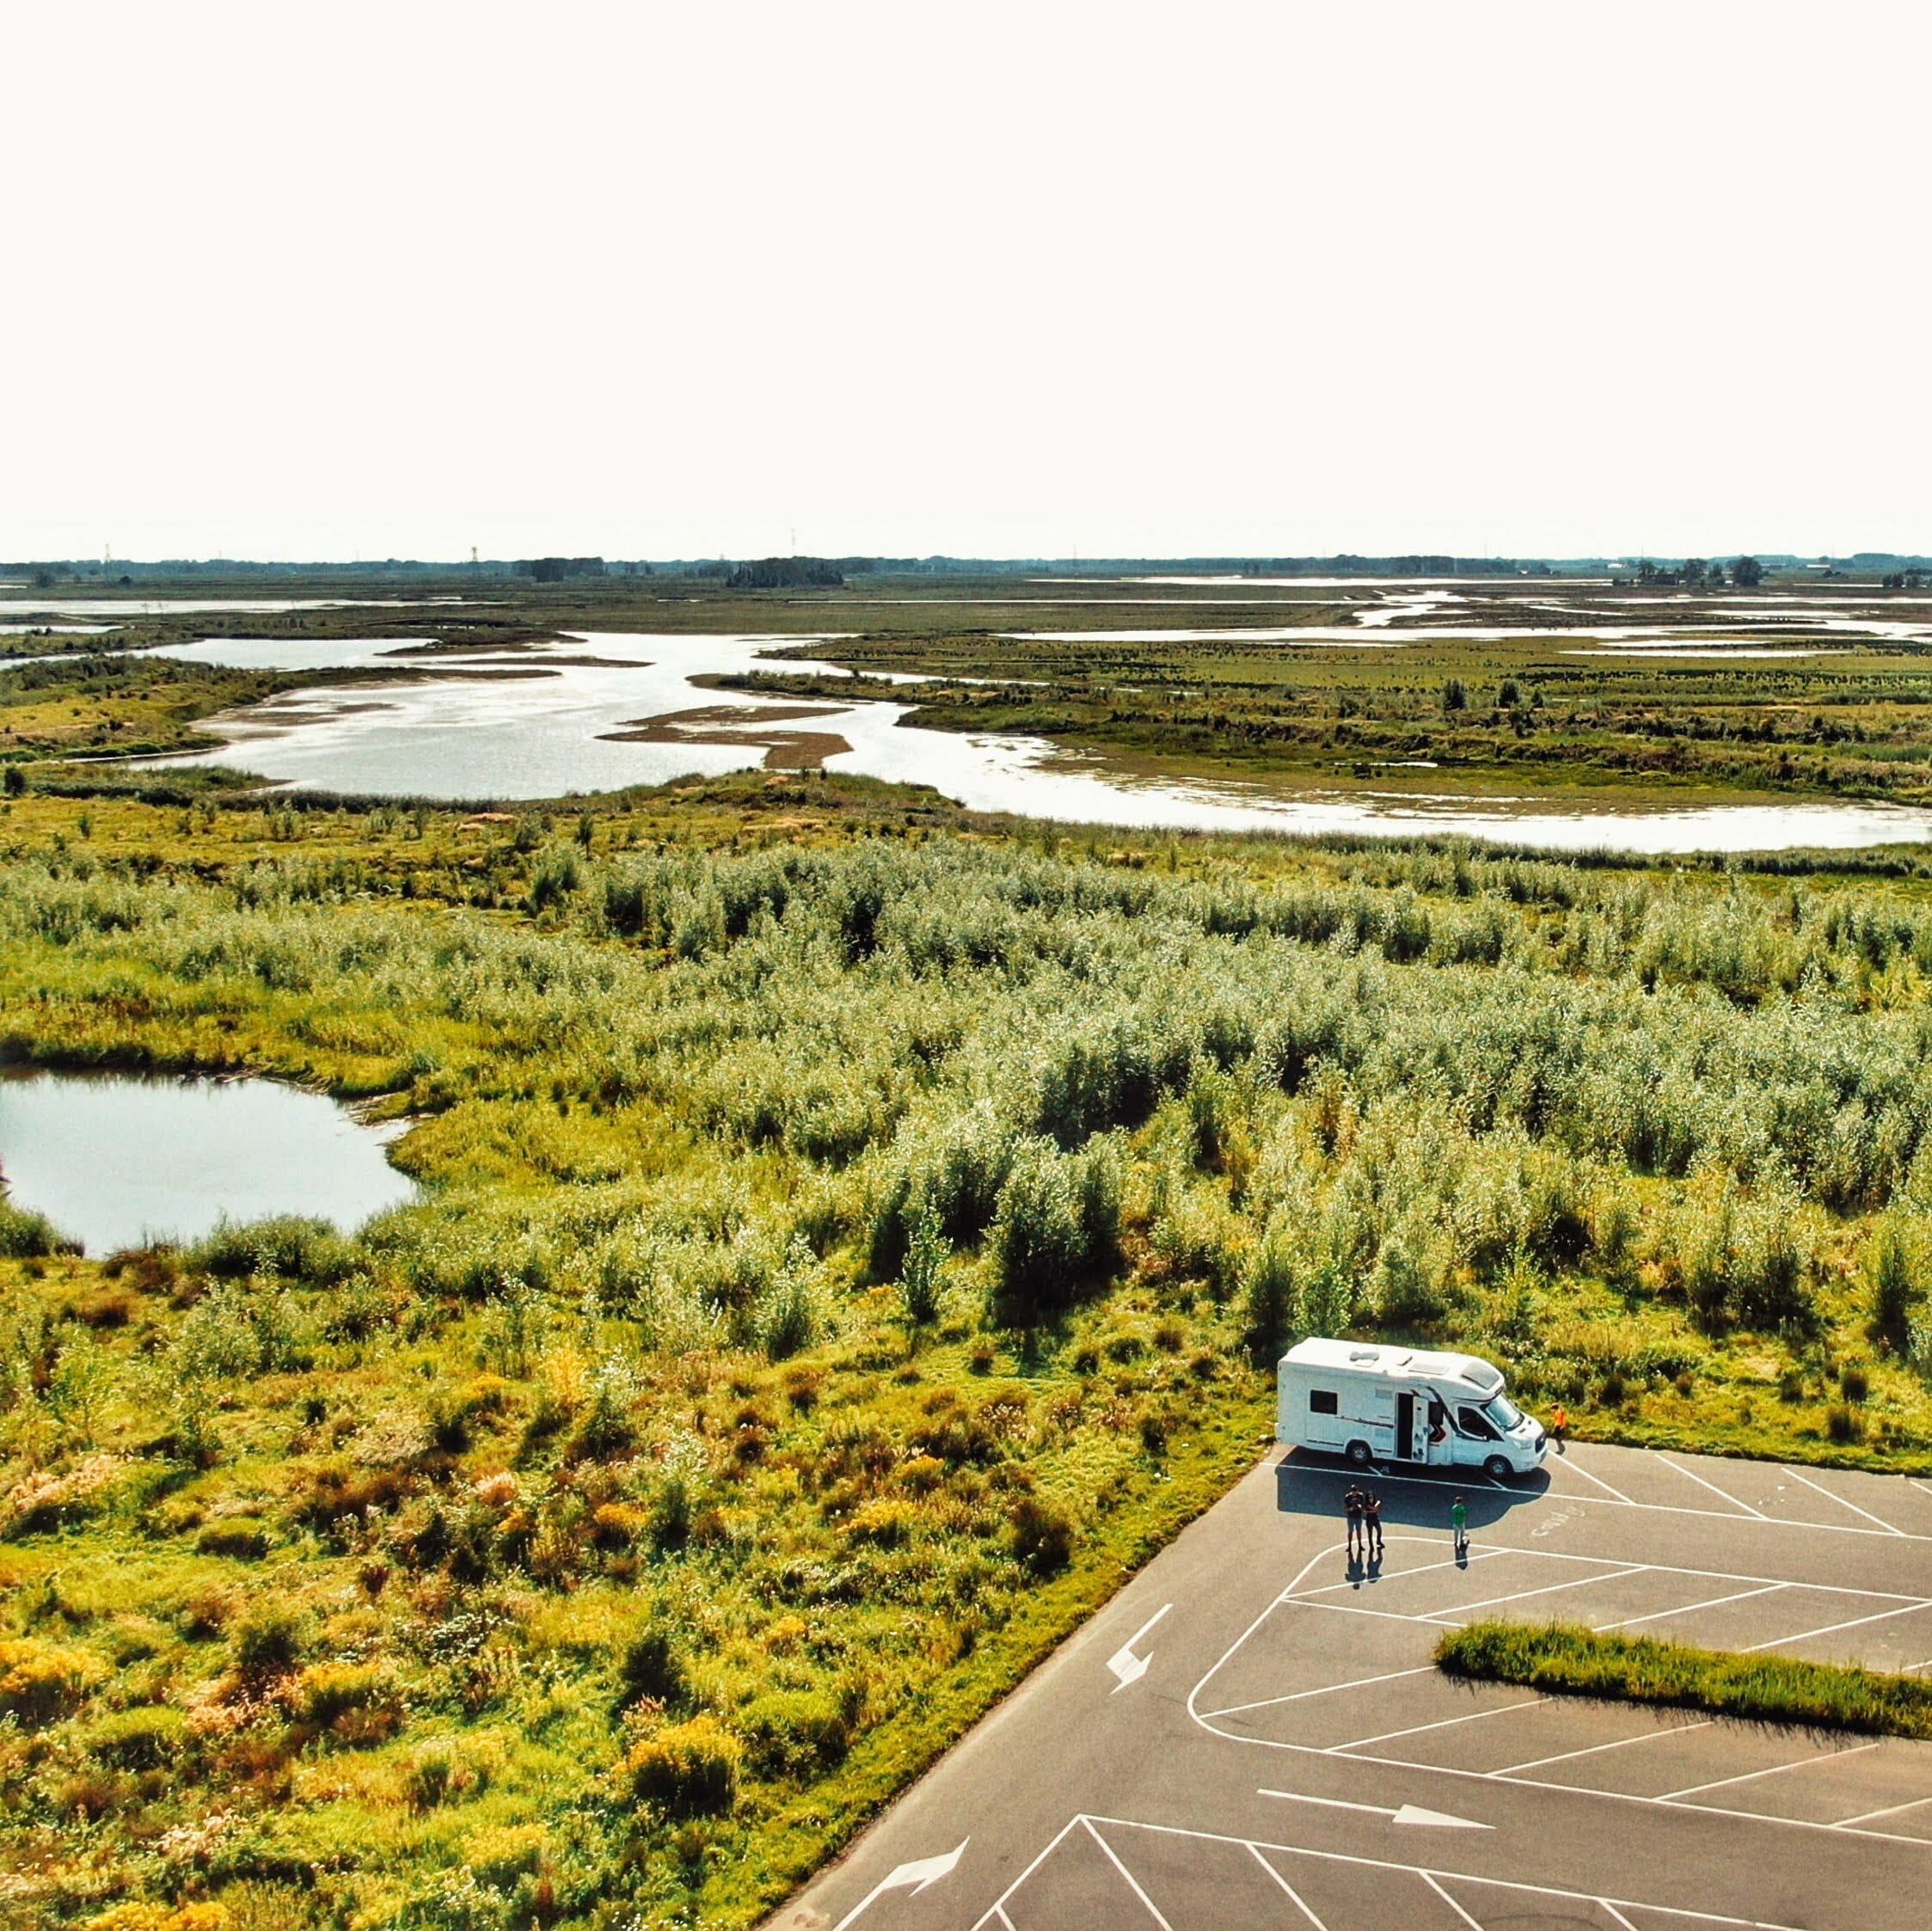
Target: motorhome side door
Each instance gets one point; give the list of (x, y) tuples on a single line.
[(1405, 1426), (1434, 1425)]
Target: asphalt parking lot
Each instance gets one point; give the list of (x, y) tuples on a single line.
[(1252, 1733)]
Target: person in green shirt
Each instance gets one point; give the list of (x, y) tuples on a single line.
[(1459, 1522)]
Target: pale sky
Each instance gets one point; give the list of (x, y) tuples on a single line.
[(1039, 280)]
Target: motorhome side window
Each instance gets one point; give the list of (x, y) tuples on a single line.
[(1473, 1421), (1323, 1401)]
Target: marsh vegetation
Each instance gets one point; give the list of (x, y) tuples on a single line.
[(851, 1237)]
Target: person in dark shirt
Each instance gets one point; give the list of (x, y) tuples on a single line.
[(1353, 1504), (1371, 1521)]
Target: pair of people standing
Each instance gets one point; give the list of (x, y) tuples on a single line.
[(1364, 1512)]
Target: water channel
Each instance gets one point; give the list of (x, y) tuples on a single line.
[(549, 722)]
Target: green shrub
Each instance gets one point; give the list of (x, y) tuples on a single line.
[(1267, 1294), (687, 1769), (1042, 1535), (237, 1536), (286, 1246), (25, 1235), (653, 1667), (269, 1639), (149, 1736), (793, 1732), (40, 1682), (922, 1275), (1058, 1226), (1894, 1286)]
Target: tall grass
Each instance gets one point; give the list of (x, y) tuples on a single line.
[(1570, 1659)]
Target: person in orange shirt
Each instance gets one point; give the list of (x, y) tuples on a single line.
[(1559, 1421)]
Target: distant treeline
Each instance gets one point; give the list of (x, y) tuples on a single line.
[(787, 573), (780, 573)]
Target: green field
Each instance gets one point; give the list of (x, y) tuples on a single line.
[(855, 1236)]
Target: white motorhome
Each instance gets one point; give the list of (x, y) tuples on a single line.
[(1377, 1403)]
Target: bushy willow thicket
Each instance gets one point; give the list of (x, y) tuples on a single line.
[(1399, 1090), (829, 1256)]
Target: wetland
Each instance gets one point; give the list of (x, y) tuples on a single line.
[(846, 1229)]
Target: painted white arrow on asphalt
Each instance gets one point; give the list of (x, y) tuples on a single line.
[(1409, 1813), (1128, 1667), (918, 1874)]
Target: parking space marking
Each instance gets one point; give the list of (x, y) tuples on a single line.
[(1738, 1512), (1428, 1878), (1848, 1827), (1579, 1468), (1421, 1569), (1604, 1569), (1891, 1810), (1712, 1487), (1053, 1843), (1690, 1608), (1294, 1896), (1523, 1596), (1326, 1689), (1832, 1629), (1433, 1875), (1832, 1496), (1748, 1776), (1447, 1723), (1594, 1749), (1133, 1883)]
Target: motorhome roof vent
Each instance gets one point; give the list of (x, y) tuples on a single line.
[(1364, 1354)]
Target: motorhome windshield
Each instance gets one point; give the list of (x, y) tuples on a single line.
[(1503, 1411)]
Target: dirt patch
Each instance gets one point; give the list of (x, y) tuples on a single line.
[(742, 725)]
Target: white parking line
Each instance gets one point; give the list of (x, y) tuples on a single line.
[(1053, 1843), (1712, 1487), (1595, 1750), (1358, 1751), (1153, 1910), (1617, 1914), (1910, 1803), (1421, 1569), (1831, 1495), (1346, 1608), (1429, 1871), (1832, 1629), (1738, 1512), (1668, 1569), (1428, 1879), (1748, 1776), (1447, 1723), (1523, 1596), (1294, 1896), (1577, 1468), (1712, 1602), (1326, 1689), (1571, 1790)]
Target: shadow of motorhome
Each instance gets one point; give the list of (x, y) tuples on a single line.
[(1307, 1482)]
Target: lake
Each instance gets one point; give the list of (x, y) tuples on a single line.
[(114, 1162)]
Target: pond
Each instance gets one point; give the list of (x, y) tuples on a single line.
[(600, 711), (114, 1162)]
